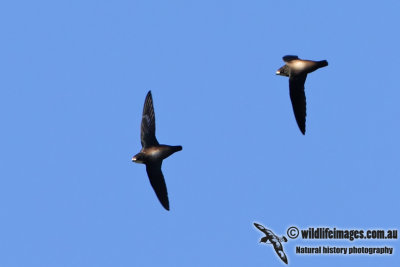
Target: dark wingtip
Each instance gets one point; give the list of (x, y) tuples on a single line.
[(288, 58), (302, 129), (149, 97), (165, 205)]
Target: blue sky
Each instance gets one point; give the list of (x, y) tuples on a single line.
[(74, 75)]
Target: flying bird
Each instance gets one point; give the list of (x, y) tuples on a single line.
[(274, 240), (152, 153), (297, 69)]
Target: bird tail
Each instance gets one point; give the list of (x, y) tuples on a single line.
[(322, 63), (177, 148)]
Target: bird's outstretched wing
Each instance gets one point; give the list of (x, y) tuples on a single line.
[(298, 98), (281, 254), (148, 125), (261, 228), (289, 58), (157, 181)]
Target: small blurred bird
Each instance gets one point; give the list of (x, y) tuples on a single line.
[(297, 69), (274, 240), (152, 153)]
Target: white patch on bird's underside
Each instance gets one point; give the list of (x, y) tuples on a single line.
[(298, 64), (154, 152)]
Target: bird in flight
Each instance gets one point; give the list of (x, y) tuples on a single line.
[(297, 69), (274, 240), (152, 153)]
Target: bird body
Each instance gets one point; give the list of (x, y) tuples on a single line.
[(299, 66), (155, 153), (152, 153), (297, 69)]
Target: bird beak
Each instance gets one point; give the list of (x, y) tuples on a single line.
[(134, 159), (277, 72)]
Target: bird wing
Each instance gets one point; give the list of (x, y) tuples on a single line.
[(261, 228), (289, 58), (157, 181), (148, 125), (298, 98), (279, 250)]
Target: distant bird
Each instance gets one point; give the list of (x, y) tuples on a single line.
[(274, 240), (297, 69), (152, 153)]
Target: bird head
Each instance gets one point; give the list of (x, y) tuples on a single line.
[(283, 71), (138, 158)]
